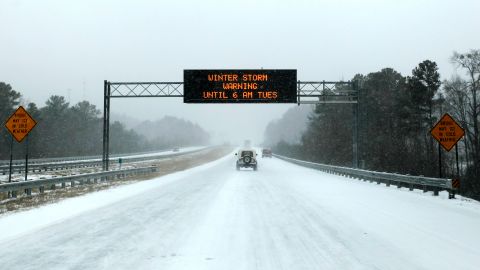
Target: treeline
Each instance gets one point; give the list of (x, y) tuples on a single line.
[(296, 119), (66, 130), (171, 131), (395, 116)]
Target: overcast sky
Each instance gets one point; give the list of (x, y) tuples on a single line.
[(69, 47)]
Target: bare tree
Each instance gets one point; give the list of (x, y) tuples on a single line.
[(458, 100), (471, 63)]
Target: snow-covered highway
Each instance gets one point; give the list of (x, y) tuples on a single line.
[(282, 216)]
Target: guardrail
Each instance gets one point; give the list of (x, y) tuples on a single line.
[(38, 167), (48, 160), (71, 180), (73, 158), (400, 180)]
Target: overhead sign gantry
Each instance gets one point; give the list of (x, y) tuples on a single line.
[(236, 86)]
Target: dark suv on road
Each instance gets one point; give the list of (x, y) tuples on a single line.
[(266, 152)]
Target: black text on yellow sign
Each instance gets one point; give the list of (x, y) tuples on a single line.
[(20, 124), (240, 86), (447, 132)]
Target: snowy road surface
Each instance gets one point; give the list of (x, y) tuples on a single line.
[(214, 217)]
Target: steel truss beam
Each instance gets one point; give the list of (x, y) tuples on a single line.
[(146, 89), (322, 91), (308, 92), (326, 92)]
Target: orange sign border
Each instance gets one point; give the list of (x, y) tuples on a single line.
[(13, 114), (440, 120)]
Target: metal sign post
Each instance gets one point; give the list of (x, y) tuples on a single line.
[(26, 159), (456, 159), (11, 159), (439, 161)]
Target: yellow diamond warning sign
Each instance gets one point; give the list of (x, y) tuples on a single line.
[(20, 124), (447, 132)]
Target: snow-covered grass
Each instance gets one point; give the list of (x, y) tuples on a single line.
[(12, 225), (47, 174)]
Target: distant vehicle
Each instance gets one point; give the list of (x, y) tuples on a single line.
[(247, 158), (266, 152), (176, 149)]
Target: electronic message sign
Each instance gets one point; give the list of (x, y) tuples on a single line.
[(240, 86)]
